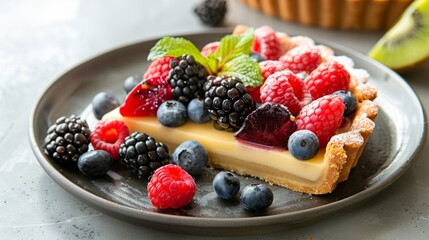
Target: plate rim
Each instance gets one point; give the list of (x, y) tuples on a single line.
[(207, 222)]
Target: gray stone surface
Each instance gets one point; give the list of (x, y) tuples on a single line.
[(39, 40)]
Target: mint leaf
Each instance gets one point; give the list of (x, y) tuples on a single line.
[(176, 47), (212, 63), (245, 68), (232, 46)]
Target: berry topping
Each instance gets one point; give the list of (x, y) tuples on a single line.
[(67, 139), (258, 57), (303, 144), (256, 197), (266, 43), (269, 125), (211, 12), (145, 98), (187, 78), (287, 89), (108, 135), (327, 78), (322, 116), (131, 82), (103, 103), (191, 156), (160, 67), (302, 59), (197, 112), (210, 47), (349, 100), (142, 155), (255, 93), (171, 187), (172, 113), (227, 101), (94, 163), (271, 66), (226, 185)]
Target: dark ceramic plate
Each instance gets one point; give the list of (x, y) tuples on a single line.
[(389, 152)]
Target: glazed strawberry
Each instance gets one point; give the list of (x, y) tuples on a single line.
[(322, 116), (302, 59), (268, 67), (269, 125), (171, 187), (145, 98), (208, 48), (286, 88), (108, 135), (160, 67), (266, 43), (327, 78)]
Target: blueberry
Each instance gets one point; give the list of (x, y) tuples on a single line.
[(303, 144), (132, 81), (191, 156), (94, 163), (258, 57), (226, 185), (172, 113), (197, 112), (103, 103), (256, 197), (349, 101)]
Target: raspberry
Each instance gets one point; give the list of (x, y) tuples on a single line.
[(302, 59), (160, 67), (322, 116), (171, 187), (266, 43), (327, 78), (208, 48), (269, 67), (287, 89), (146, 97), (108, 135)]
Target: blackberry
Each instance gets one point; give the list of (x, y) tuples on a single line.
[(67, 139), (227, 102), (211, 12), (187, 78), (142, 155)]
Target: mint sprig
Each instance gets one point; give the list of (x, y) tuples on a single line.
[(230, 59), (175, 47)]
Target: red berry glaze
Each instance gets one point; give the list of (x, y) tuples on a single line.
[(210, 47), (145, 98), (171, 187), (285, 88), (322, 116), (302, 59), (160, 67), (108, 135), (327, 78), (266, 43)]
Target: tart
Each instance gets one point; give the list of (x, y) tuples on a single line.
[(341, 14), (318, 175)]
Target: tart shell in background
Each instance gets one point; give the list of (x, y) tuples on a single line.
[(340, 14)]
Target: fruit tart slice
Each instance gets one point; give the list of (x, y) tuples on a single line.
[(230, 107)]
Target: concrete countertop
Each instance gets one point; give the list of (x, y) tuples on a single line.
[(39, 40)]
